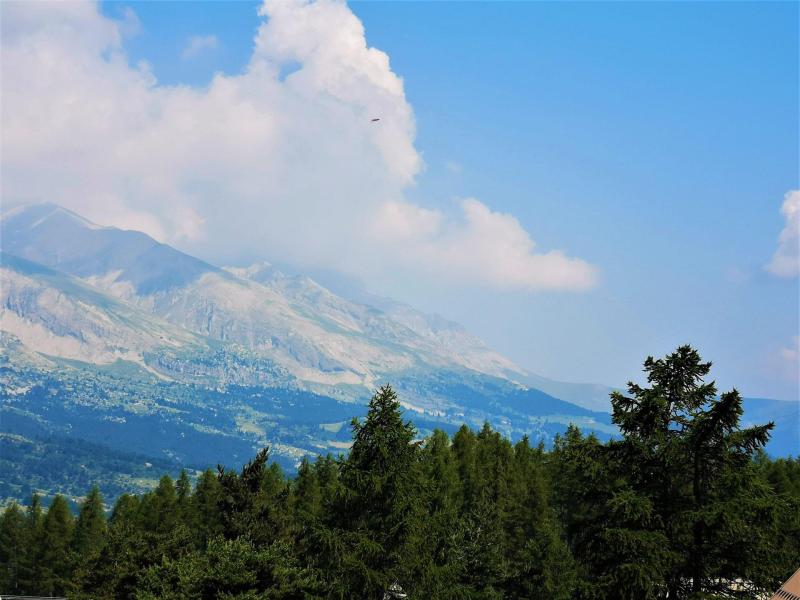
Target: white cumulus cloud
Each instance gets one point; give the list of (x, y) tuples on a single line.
[(786, 260), (288, 167), (480, 247), (197, 44)]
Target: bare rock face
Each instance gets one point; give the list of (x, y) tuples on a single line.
[(109, 337), (97, 274)]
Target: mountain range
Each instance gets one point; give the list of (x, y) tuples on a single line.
[(112, 338)]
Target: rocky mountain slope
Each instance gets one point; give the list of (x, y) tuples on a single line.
[(320, 338), (110, 337)]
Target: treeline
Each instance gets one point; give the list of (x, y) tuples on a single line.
[(684, 504)]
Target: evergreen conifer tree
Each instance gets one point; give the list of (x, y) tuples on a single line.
[(183, 492), (12, 548), (540, 565), (30, 574), (253, 502), (307, 492), (56, 555), (442, 553), (689, 466), (206, 502), (90, 528), (125, 511), (165, 505), (376, 514), (684, 505)]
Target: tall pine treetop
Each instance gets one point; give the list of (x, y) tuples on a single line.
[(383, 439)]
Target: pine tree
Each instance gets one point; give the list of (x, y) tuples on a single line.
[(126, 511), (230, 569), (540, 565), (689, 466), (326, 469), (482, 545), (12, 548), (56, 555), (493, 461), (307, 492), (680, 506), (441, 470), (442, 556), (375, 517), (30, 574), (90, 528), (127, 549), (183, 490), (782, 475), (465, 451), (253, 502), (619, 550), (165, 505), (206, 506)]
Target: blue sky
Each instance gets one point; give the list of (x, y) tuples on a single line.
[(654, 140)]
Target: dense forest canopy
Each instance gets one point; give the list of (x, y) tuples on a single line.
[(684, 504)]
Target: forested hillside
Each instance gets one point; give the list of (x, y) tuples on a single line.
[(683, 505)]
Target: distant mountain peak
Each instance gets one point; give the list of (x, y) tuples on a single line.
[(34, 215), (321, 336), (56, 237)]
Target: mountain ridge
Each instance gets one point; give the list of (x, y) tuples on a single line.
[(185, 360), (294, 319)]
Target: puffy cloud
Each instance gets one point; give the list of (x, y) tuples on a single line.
[(482, 247), (786, 260), (282, 161), (197, 44)]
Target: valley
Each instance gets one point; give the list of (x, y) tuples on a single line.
[(113, 340)]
